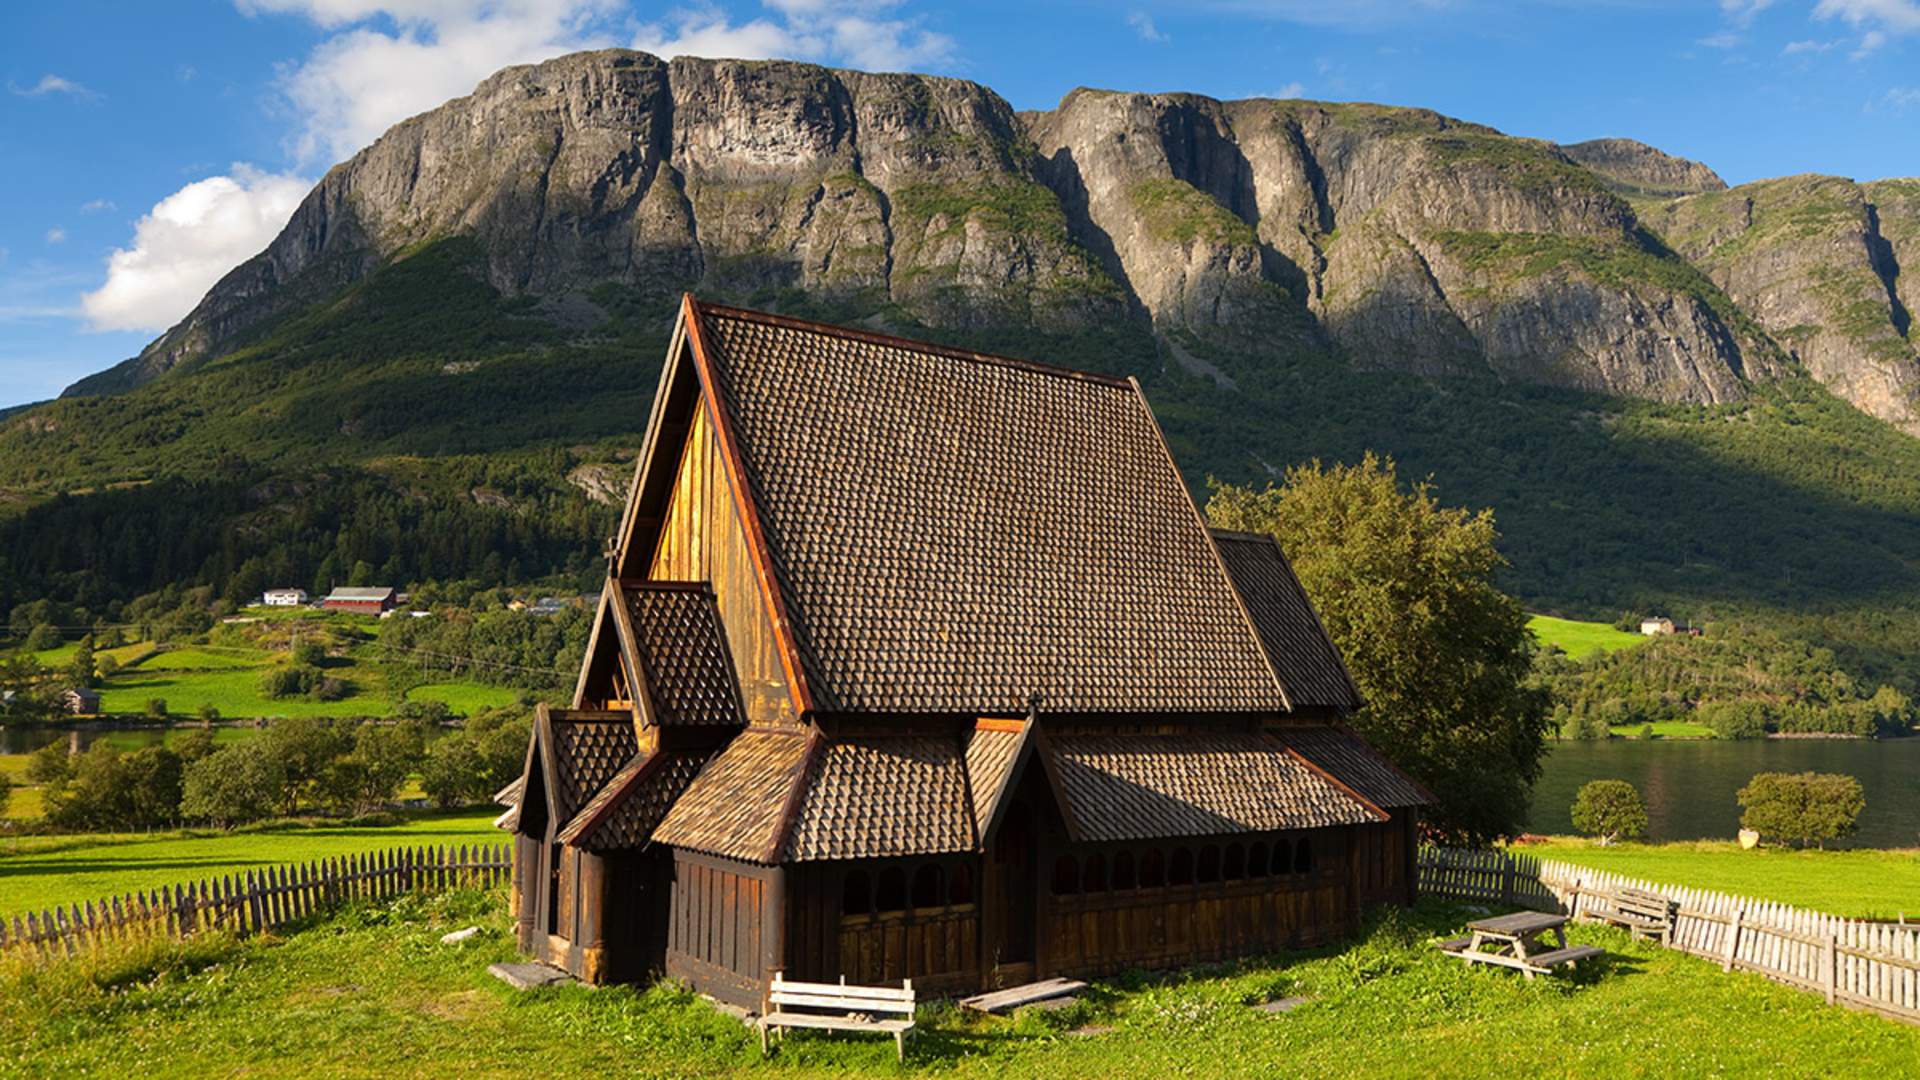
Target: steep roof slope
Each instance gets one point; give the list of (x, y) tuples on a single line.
[(956, 533)]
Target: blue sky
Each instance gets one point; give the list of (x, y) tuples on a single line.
[(149, 147)]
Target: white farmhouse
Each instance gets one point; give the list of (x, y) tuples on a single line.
[(284, 597)]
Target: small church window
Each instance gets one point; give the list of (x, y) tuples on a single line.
[(1095, 879), (892, 894), (1282, 857), (1235, 866), (1153, 870), (1257, 859), (856, 893), (926, 886), (1180, 867), (1122, 870), (960, 885), (1066, 876), (1210, 863), (1303, 856)]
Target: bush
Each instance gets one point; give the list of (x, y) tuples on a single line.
[(42, 638), (1736, 719), (157, 708), (1646, 732), (207, 713), (1804, 808), (330, 689), (292, 680), (49, 765), (6, 792), (1611, 810), (107, 790), (310, 653)]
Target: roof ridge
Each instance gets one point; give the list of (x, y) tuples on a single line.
[(874, 337)]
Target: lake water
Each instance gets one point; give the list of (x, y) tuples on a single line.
[(26, 738), (1689, 785)]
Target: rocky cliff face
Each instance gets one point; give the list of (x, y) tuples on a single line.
[(1398, 237)]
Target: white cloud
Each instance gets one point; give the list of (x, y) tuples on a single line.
[(1291, 90), (1725, 39), (56, 235), (860, 33), (1742, 12), (711, 34), (1898, 16), (53, 84), (1902, 98), (1796, 48), (1142, 24), (186, 242), (95, 206)]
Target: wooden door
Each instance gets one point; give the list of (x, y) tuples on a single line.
[(1015, 857)]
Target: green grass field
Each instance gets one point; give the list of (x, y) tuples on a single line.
[(1665, 729), (38, 872), (236, 693), (1580, 639), (58, 658), (1881, 884), (372, 993), (465, 698)]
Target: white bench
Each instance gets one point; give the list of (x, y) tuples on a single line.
[(839, 1007)]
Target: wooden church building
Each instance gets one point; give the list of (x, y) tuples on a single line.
[(918, 663)]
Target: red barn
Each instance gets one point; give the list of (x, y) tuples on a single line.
[(362, 601)]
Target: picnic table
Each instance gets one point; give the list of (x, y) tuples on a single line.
[(1514, 941)]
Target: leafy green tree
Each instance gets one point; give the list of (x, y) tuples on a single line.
[(50, 765), (207, 713), (194, 745), (80, 670), (42, 638), (108, 790), (1802, 808), (1611, 810), (383, 756), (310, 653), (1441, 656), (454, 772), (1646, 732), (1744, 719), (302, 748), (157, 708), (6, 793), (234, 785)]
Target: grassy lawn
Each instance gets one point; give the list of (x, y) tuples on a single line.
[(235, 692), (37, 872), (1578, 639), (372, 993), (1859, 883), (57, 659), (463, 697), (1665, 729)]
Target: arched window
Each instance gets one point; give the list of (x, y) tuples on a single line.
[(892, 893), (1122, 870), (1257, 859), (1303, 856), (1282, 858), (960, 885), (926, 886), (1095, 878), (856, 897), (1153, 870), (1210, 863), (1066, 876), (1235, 866), (1180, 868)]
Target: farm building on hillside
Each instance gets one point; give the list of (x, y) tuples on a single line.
[(284, 597), (80, 701), (1656, 627), (373, 601), (918, 663)]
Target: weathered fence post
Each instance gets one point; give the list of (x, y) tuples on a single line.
[(1733, 940), (1829, 960)]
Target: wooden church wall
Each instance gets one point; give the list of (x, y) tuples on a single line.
[(701, 539)]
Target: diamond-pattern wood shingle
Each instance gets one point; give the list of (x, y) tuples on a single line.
[(586, 754), (632, 804), (956, 534), (1347, 756), (683, 648), (1309, 665), (1135, 787), (871, 798), (733, 808), (991, 756)]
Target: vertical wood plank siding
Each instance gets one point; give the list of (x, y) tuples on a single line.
[(718, 915), (701, 540), (1857, 962)]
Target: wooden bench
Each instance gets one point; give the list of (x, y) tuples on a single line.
[(839, 1007), (1644, 914), (1570, 955)]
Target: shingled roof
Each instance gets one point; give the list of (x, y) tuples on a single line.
[(1132, 787), (587, 750), (632, 804), (888, 477), (736, 806), (1346, 755), (876, 797), (682, 649), (1309, 666)]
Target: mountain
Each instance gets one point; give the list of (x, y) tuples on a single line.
[(1674, 394)]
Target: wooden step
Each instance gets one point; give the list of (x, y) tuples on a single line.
[(1014, 996)]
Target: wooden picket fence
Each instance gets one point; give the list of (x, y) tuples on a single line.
[(259, 899), (1857, 962)]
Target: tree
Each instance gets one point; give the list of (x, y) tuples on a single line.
[(1441, 657), (6, 792), (1611, 810), (194, 745), (49, 766), (42, 638), (80, 670), (157, 708), (383, 756), (1804, 808), (233, 786), (310, 653), (208, 714), (106, 790), (302, 748)]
